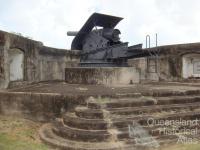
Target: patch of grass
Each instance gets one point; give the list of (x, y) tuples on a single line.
[(8, 143), (17, 133), (183, 147), (193, 147)]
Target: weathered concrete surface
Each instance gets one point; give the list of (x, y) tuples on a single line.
[(136, 122), (46, 101), (74, 90), (40, 63), (37, 106), (102, 75)]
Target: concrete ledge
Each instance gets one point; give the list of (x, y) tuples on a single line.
[(102, 75), (37, 106)]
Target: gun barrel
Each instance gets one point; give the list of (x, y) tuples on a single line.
[(72, 33)]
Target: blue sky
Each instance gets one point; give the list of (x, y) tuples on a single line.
[(175, 21)]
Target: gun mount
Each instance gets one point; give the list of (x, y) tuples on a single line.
[(102, 47)]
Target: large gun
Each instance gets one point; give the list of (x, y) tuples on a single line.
[(72, 33), (100, 43)]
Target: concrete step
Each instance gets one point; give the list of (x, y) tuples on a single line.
[(142, 101), (177, 99), (84, 135), (166, 93), (123, 102), (140, 143), (84, 112), (159, 113), (48, 136), (76, 134), (72, 120)]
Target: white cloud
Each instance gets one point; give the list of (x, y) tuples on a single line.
[(175, 21)]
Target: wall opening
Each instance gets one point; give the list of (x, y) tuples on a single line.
[(152, 64), (191, 66), (16, 64)]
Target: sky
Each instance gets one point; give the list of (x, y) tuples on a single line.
[(175, 21)]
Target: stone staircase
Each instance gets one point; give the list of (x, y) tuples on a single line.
[(127, 122)]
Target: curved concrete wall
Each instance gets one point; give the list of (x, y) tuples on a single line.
[(41, 63), (173, 63)]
